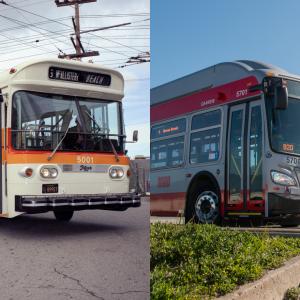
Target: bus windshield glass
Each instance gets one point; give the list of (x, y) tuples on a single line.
[(40, 121), (284, 124)]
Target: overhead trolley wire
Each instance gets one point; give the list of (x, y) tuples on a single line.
[(42, 33), (65, 37), (29, 12)]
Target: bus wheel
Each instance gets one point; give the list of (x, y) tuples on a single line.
[(289, 224), (204, 206), (63, 215)]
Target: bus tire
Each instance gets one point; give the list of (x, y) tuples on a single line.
[(203, 205), (64, 216), (289, 224)]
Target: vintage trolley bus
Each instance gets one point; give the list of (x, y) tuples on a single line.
[(225, 143), (62, 139)]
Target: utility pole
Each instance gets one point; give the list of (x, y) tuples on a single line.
[(80, 52), (77, 29)]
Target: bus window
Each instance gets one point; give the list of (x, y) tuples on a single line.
[(205, 146), (208, 119), (167, 153), (205, 140), (40, 121), (255, 154)]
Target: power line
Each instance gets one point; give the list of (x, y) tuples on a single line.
[(46, 36), (70, 26), (56, 32), (40, 32), (30, 4), (23, 43)]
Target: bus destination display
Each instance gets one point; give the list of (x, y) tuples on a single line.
[(79, 76), (169, 128)]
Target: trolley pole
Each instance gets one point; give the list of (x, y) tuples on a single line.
[(80, 52)]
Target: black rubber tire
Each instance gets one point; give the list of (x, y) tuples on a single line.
[(63, 216), (289, 225), (190, 213)]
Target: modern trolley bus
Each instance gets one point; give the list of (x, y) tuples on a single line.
[(63, 139), (225, 144)]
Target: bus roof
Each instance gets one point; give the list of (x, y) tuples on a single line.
[(214, 76), (34, 75)]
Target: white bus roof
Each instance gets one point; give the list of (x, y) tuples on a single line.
[(33, 75), (213, 76)]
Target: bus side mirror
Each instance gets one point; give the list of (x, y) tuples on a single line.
[(135, 136), (1, 98), (281, 97)]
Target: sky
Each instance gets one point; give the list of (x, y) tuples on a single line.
[(38, 28), (187, 36)]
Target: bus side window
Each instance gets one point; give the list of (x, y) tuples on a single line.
[(205, 137), (167, 153), (205, 146)]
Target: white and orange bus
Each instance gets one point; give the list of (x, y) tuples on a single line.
[(225, 144), (63, 139)]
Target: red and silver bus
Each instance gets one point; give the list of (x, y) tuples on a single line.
[(225, 143), (63, 140)]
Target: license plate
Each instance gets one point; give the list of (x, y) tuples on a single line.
[(49, 188)]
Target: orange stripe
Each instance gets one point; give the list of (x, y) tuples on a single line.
[(65, 158)]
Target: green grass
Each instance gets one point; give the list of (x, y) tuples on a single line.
[(203, 261), (292, 294)]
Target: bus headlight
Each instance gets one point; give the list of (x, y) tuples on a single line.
[(282, 179), (48, 172), (116, 172)]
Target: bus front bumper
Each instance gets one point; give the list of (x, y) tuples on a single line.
[(283, 204), (38, 204)]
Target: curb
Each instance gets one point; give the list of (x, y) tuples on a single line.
[(272, 286)]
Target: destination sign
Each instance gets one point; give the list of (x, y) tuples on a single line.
[(79, 76), (169, 128)]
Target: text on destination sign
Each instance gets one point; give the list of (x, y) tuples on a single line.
[(79, 76)]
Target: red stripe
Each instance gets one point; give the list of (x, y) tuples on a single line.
[(222, 94), (167, 203)]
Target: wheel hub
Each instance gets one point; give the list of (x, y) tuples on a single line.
[(206, 207)]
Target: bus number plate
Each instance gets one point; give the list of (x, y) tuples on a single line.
[(49, 188)]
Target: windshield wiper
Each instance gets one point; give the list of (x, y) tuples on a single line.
[(114, 150), (62, 139)]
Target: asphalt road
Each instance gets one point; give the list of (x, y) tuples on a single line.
[(98, 255)]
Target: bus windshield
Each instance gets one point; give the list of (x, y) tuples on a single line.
[(40, 121), (284, 124)]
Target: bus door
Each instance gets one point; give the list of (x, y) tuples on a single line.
[(244, 158)]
